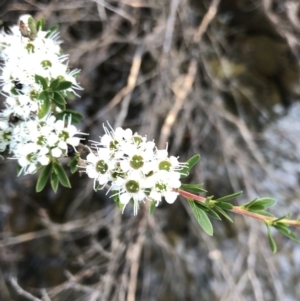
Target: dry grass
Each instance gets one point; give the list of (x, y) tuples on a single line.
[(206, 80)]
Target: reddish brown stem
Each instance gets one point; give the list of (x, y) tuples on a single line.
[(241, 211)]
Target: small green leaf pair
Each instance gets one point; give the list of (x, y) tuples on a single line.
[(51, 94), (259, 204), (57, 175)]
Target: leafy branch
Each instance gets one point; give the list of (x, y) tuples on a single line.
[(205, 207)]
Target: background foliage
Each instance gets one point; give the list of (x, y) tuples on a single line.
[(228, 91)]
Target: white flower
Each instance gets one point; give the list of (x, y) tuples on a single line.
[(164, 183), (29, 156), (5, 135), (99, 166), (133, 189)]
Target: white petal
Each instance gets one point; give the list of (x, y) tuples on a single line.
[(170, 196), (124, 198)]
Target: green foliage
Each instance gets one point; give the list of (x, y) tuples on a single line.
[(41, 81), (73, 164), (40, 24), (59, 100), (43, 177), (54, 181), (116, 199), (195, 188), (63, 85), (201, 217), (45, 105), (152, 207), (229, 197), (189, 165), (283, 229), (75, 116), (223, 213), (51, 30), (61, 174), (271, 240)]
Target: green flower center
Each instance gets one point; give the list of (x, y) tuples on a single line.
[(41, 140), (137, 139), (7, 136), (160, 187), (137, 162), (64, 135), (132, 186), (117, 173), (30, 48), (164, 165), (46, 64), (113, 145), (31, 157), (33, 95), (101, 167)]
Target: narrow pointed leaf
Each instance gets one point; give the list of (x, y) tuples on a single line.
[(152, 207), (189, 164), (202, 218), (59, 100), (41, 80), (266, 202), (271, 240), (43, 177), (62, 176), (229, 197), (196, 188), (54, 181), (222, 212), (225, 206), (63, 85)]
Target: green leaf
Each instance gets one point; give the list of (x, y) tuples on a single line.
[(255, 207), (261, 212), (213, 214), (196, 188), (202, 218), (43, 177), (281, 218), (33, 28), (40, 24), (54, 181), (222, 212), (266, 202), (54, 84), (271, 240), (41, 80), (201, 205), (63, 85), (225, 206), (43, 95), (152, 207), (189, 165), (226, 198), (52, 29), (59, 100), (44, 108), (116, 199), (62, 176), (282, 228), (75, 116), (208, 199), (73, 164)]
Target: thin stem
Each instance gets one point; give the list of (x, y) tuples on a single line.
[(239, 210)]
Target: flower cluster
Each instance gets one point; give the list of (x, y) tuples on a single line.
[(35, 80), (136, 169)]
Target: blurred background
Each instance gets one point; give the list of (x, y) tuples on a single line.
[(219, 78)]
